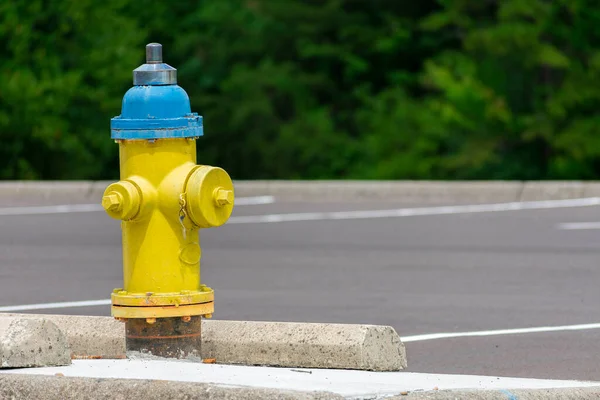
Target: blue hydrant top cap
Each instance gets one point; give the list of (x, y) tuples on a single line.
[(154, 72), (156, 107)]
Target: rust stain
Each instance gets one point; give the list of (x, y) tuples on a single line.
[(95, 357), (189, 335), (168, 337), (86, 357)]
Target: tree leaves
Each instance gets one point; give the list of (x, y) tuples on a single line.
[(436, 89), (64, 68)]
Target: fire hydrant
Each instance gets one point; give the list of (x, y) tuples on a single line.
[(163, 199)]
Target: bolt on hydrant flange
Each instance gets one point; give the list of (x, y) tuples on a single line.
[(163, 199)]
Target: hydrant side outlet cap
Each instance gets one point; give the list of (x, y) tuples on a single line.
[(210, 196)]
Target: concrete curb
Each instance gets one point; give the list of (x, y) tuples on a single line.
[(431, 192), (424, 192), (54, 191), (32, 342), (304, 345), (15, 386), (279, 344), (88, 337), (559, 190)]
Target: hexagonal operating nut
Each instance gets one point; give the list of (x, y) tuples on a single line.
[(112, 201), (223, 197)]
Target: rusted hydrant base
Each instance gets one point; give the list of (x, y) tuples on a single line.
[(167, 337)]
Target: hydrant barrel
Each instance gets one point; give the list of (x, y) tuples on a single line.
[(163, 199)]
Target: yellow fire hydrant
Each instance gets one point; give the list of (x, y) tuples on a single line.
[(163, 199)]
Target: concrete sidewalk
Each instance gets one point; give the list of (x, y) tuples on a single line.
[(101, 379)]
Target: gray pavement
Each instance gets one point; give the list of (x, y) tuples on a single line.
[(422, 274)]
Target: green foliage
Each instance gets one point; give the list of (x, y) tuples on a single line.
[(517, 94), (387, 89), (63, 67)]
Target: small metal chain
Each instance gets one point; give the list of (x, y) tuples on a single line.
[(182, 214)]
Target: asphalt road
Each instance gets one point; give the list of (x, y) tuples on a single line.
[(420, 274)]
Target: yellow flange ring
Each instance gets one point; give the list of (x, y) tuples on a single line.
[(162, 312), (209, 196), (120, 297)]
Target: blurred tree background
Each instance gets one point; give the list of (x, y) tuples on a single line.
[(289, 89)]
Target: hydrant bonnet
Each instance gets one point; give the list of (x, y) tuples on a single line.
[(156, 107)]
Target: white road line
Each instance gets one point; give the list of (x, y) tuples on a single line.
[(252, 201), (50, 306), (77, 208), (59, 209), (579, 225), (434, 336), (336, 215), (418, 211)]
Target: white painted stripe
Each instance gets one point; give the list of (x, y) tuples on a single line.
[(579, 225), (434, 336), (59, 209), (418, 211), (49, 306), (336, 215), (251, 201), (77, 208)]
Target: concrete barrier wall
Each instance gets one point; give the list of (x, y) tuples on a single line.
[(426, 192)]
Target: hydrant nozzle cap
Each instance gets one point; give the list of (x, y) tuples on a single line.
[(154, 72), (121, 200), (209, 196)]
